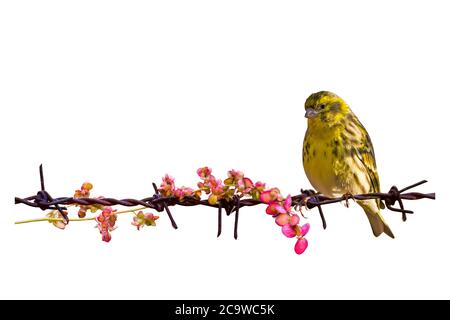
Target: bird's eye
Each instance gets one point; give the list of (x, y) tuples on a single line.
[(321, 106)]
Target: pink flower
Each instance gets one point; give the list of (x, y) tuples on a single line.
[(106, 221), (107, 211), (141, 220), (275, 208), (289, 231), (136, 223), (183, 192), (216, 185), (260, 186), (240, 185), (282, 219), (245, 186), (288, 203), (168, 180), (270, 195), (305, 229), (84, 190), (285, 218), (106, 236), (235, 175), (167, 187), (215, 188), (257, 189), (204, 172), (266, 197), (294, 220), (301, 245), (248, 183)]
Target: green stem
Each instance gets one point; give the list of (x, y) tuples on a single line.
[(74, 219)]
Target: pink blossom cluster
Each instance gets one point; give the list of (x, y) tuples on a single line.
[(168, 189), (212, 186), (85, 192), (237, 184), (281, 210), (106, 222), (142, 219)]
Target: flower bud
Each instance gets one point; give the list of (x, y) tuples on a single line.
[(282, 219), (288, 231), (301, 245)]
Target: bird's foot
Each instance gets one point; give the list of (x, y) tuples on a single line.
[(299, 208), (304, 202), (346, 197), (307, 196)]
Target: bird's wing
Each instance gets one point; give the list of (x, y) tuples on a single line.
[(365, 153)]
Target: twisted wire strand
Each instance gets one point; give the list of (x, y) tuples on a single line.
[(307, 198)]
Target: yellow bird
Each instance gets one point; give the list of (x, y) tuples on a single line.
[(338, 156)]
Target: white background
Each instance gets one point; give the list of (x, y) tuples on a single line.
[(121, 92)]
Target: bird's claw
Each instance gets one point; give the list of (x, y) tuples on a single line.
[(304, 202), (346, 197)]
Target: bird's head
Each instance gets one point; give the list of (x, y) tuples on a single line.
[(325, 107)]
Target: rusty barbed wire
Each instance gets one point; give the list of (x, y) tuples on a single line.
[(307, 198)]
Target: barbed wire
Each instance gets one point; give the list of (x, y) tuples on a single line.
[(307, 198)]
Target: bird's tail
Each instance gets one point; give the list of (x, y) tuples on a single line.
[(376, 220)]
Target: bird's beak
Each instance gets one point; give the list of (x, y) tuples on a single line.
[(311, 113)]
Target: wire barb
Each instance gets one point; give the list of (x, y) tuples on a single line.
[(43, 197), (172, 220), (219, 218), (41, 175), (236, 217)]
